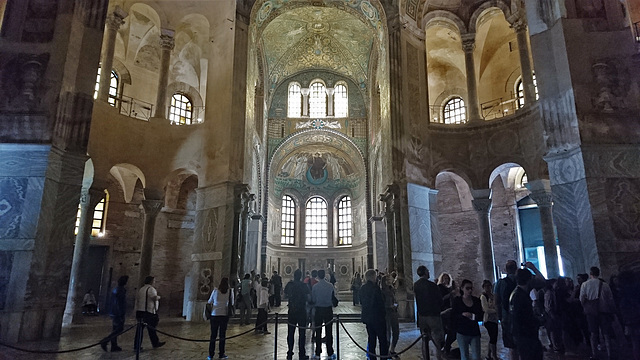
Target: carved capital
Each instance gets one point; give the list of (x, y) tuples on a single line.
[(91, 197), (330, 91), (152, 207), (468, 42), (481, 205), (115, 20), (305, 91), (543, 198), (167, 42), (519, 24)]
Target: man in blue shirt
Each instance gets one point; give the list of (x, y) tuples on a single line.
[(321, 296), (117, 312)]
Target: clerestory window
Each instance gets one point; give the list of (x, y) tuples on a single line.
[(181, 111), (345, 227), (113, 87), (317, 100), (294, 101), (316, 224), (288, 221), (341, 101), (454, 111)]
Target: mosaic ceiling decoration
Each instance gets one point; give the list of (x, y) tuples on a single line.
[(315, 37)]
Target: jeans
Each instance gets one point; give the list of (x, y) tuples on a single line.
[(467, 341), (298, 318), (324, 315), (245, 309), (218, 323), (377, 331)]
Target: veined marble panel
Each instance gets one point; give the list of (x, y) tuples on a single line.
[(6, 262), (12, 198), (566, 167), (23, 160), (612, 161)]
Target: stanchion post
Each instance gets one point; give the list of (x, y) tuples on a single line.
[(338, 336), (275, 341), (138, 338)]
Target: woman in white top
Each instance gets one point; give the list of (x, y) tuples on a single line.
[(221, 298), (490, 319)]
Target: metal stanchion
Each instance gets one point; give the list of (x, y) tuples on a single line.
[(138, 338), (337, 336), (275, 341)]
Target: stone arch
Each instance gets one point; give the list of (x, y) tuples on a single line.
[(124, 76), (503, 170), (193, 94), (127, 175), (444, 18), (463, 186), (483, 9), (150, 10), (175, 196)]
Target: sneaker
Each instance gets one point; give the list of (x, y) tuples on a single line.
[(209, 358), (116, 348), (332, 357), (160, 344), (223, 356), (103, 345)]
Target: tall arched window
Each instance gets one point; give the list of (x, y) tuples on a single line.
[(288, 221), (520, 91), (181, 111), (345, 227), (341, 101), (454, 111), (316, 222), (294, 102), (99, 220), (113, 87), (317, 100)]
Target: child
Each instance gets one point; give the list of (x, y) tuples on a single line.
[(263, 303)]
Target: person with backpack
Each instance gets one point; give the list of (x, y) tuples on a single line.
[(298, 294)]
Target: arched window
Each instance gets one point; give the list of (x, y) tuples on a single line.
[(345, 228), (113, 87), (99, 220), (181, 111), (288, 221), (454, 111), (316, 222), (294, 103), (341, 101), (317, 100), (520, 91)]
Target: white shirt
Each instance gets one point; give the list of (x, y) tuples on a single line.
[(147, 300), (220, 302)]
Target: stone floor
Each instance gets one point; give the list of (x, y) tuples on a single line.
[(250, 346)]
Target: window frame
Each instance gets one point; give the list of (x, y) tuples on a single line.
[(187, 110), (456, 115), (344, 104), (317, 90), (290, 220), (344, 203), (292, 100), (316, 216)]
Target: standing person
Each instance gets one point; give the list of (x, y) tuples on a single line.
[(245, 300), (117, 313), (263, 304), (298, 294), (504, 288), (276, 280), (356, 284), (490, 319), (221, 298), (147, 311), (599, 307), (322, 298), (467, 311), (391, 313), (448, 292), (524, 322), (428, 304), (372, 306)]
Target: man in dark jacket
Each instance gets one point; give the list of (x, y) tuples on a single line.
[(373, 311), (276, 280), (298, 294), (524, 323), (428, 304), (118, 311)]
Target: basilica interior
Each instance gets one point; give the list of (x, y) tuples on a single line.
[(196, 139)]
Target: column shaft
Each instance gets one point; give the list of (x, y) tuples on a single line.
[(305, 101), (88, 201), (468, 45), (167, 43), (113, 23), (482, 206), (151, 210), (330, 110), (520, 26)]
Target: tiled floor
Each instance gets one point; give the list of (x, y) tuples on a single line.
[(250, 346)]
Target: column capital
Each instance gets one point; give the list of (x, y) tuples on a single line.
[(167, 39), (519, 24), (116, 18), (152, 207), (91, 197), (330, 91), (468, 42), (304, 91), (543, 198)]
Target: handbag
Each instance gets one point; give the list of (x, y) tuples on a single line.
[(208, 308)]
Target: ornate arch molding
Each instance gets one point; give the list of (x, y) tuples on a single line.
[(442, 16), (477, 14)]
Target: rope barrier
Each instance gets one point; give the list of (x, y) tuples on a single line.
[(65, 351), (374, 354), (311, 327), (207, 340)]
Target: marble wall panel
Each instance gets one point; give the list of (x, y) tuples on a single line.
[(6, 262), (12, 198)]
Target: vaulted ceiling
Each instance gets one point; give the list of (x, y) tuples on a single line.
[(318, 38)]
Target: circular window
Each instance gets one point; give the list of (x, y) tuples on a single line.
[(344, 270), (288, 270)]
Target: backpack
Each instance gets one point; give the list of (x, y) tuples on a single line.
[(510, 285)]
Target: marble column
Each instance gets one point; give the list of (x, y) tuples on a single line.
[(167, 43), (380, 244), (520, 27), (112, 24), (482, 205), (241, 206), (541, 194), (391, 198), (469, 45), (305, 101), (151, 210), (330, 110), (88, 201)]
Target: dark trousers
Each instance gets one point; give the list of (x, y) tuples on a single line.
[(528, 348), (323, 316), (377, 331), (261, 320), (118, 326), (277, 296), (297, 318), (151, 320), (218, 323)]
